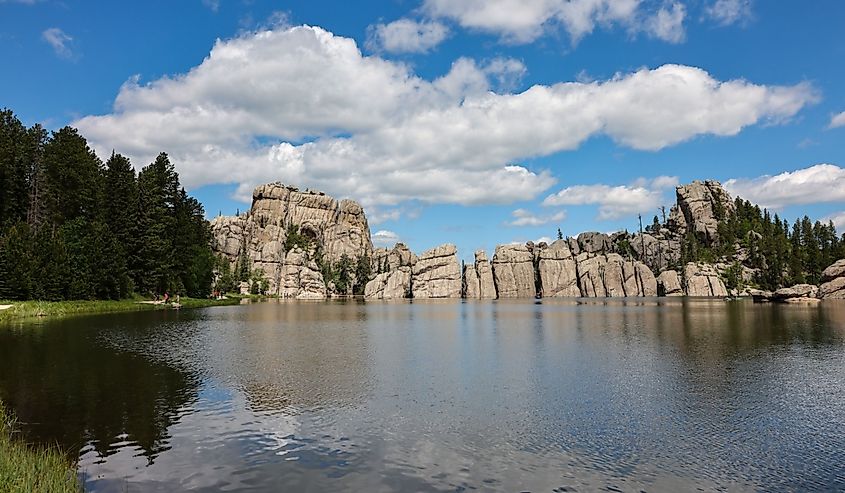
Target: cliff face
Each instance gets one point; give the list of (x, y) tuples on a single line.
[(334, 227)]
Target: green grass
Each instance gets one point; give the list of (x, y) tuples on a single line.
[(28, 469), (39, 309)]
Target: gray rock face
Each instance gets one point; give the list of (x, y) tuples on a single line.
[(657, 251), (478, 278), (301, 279), (513, 271), (703, 280), (437, 274), (391, 285), (799, 292), (337, 227), (833, 281), (592, 242), (558, 271), (389, 260), (612, 276), (700, 206), (669, 284)]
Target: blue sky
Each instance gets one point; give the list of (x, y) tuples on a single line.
[(474, 122)]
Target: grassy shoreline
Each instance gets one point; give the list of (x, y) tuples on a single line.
[(25, 468), (22, 310)]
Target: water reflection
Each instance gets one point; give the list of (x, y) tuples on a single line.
[(649, 394)]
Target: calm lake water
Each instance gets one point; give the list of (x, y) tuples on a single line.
[(647, 395)]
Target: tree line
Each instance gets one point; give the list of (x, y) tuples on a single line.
[(781, 254), (73, 227)]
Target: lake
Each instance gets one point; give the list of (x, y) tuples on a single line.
[(619, 395)]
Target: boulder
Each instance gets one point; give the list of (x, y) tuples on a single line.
[(558, 271), (513, 271), (437, 274), (669, 284), (702, 279), (593, 242), (391, 285), (797, 293), (833, 281)]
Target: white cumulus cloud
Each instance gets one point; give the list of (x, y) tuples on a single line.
[(385, 238), (838, 220), (523, 217), (614, 202), (726, 12), (407, 36), (301, 105), (523, 21), (816, 184), (837, 120)]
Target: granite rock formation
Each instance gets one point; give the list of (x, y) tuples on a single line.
[(335, 227), (558, 271), (392, 285), (478, 278), (437, 274), (833, 281), (703, 280), (700, 207), (612, 276), (669, 284), (300, 277), (513, 271)]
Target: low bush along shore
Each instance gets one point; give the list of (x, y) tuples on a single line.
[(28, 469), (15, 310)]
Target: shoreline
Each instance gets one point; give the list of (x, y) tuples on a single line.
[(39, 310)]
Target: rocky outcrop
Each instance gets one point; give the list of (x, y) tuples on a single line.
[(669, 284), (700, 207), (558, 271), (392, 285), (336, 227), (513, 271), (833, 282), (612, 276), (301, 278), (703, 280), (437, 274), (400, 255), (478, 278), (800, 293)]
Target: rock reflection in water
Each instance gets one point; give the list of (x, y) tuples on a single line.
[(629, 394)]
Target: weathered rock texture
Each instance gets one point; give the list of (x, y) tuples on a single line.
[(703, 280), (513, 271), (437, 274), (301, 277), (669, 284), (833, 281), (400, 255), (337, 228), (558, 271), (611, 275), (478, 278), (700, 207), (392, 285), (797, 293)]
